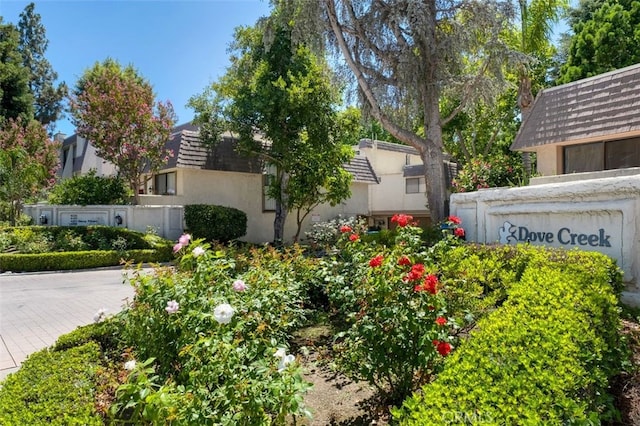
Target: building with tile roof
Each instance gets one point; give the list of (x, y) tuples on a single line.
[(588, 125)]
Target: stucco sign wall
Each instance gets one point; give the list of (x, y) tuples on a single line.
[(594, 215)]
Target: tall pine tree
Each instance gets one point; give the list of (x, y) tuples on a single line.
[(48, 106)]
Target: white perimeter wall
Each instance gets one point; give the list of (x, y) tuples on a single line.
[(166, 213)]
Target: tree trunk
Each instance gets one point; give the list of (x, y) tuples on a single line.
[(433, 159), (281, 209), (525, 101)]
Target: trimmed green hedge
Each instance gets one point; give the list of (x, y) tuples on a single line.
[(215, 223), (543, 357), (60, 261), (53, 388), (55, 248)]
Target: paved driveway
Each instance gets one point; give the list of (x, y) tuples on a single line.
[(35, 309)]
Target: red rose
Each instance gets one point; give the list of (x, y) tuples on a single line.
[(454, 219), (404, 261), (443, 348), (431, 284), (376, 261), (416, 272), (458, 232), (441, 321), (345, 228), (354, 237), (401, 219)]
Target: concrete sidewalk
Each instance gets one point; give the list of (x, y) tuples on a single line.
[(35, 309)]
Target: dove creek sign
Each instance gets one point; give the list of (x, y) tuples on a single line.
[(565, 236)]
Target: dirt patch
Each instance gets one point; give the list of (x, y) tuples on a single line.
[(334, 399)]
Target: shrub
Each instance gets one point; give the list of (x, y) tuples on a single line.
[(52, 388), (59, 261), (544, 357), (215, 223), (491, 172), (90, 189)]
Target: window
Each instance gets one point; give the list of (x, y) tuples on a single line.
[(165, 184), (597, 156), (268, 203), (415, 185)]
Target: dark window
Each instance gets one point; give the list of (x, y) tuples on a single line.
[(597, 156), (584, 158), (622, 154), (165, 184), (414, 185)]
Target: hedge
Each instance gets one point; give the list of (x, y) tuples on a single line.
[(59, 261), (543, 357), (215, 223), (54, 388)]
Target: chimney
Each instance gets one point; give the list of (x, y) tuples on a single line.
[(59, 137)]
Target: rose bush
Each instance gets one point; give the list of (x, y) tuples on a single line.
[(389, 301), (217, 332)]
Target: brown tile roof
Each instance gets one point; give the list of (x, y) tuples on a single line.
[(189, 152), (361, 169), (601, 107)]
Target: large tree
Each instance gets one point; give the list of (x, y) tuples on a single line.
[(278, 98), (606, 38), (33, 44), (115, 109), (406, 55), (16, 99), (28, 163)]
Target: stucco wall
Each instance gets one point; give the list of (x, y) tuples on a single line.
[(597, 215), (389, 195), (549, 160)]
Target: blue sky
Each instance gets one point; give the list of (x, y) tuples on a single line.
[(179, 46)]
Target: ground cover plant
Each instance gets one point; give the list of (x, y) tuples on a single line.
[(223, 337)]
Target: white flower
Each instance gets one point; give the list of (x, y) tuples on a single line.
[(284, 359), (100, 315), (239, 285), (223, 313), (130, 365), (172, 307), (198, 251)]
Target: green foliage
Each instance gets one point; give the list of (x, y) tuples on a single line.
[(41, 239), (89, 189), (53, 388), (215, 223), (495, 171), (60, 261), (201, 369), (16, 100), (44, 248), (606, 38), (544, 357), (103, 332)]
